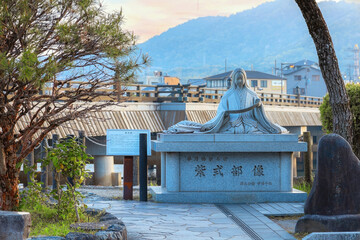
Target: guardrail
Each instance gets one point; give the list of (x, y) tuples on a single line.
[(193, 94)]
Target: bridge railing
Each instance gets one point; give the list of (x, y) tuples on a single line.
[(193, 94), (186, 93)]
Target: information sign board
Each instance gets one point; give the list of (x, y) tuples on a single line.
[(123, 142)]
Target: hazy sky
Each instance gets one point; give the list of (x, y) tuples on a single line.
[(148, 18)]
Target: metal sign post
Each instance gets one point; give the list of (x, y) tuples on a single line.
[(143, 167), (128, 177)]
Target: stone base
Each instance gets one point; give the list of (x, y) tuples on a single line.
[(333, 236), (14, 225), (322, 223), (162, 195)]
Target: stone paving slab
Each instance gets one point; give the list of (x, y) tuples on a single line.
[(279, 209), (150, 220), (258, 223)]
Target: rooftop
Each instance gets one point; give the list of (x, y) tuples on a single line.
[(294, 67), (197, 82), (249, 74), (305, 63)]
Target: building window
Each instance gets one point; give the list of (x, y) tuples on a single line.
[(316, 77), (254, 83), (297, 77), (263, 83)]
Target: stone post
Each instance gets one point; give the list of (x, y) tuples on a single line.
[(30, 163), (136, 171), (308, 158), (81, 140), (44, 169), (103, 168), (55, 139)]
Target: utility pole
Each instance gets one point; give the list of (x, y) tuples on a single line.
[(356, 63), (275, 68), (282, 75)]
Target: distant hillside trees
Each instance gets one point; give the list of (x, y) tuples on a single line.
[(275, 30)]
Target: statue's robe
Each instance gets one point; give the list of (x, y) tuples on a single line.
[(239, 112)]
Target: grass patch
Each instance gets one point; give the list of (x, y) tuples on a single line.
[(301, 185), (45, 222), (284, 218), (300, 236)]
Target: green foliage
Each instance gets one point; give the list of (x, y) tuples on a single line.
[(69, 160), (45, 217), (45, 221), (75, 33), (353, 91), (34, 198), (303, 186), (28, 66), (326, 115)]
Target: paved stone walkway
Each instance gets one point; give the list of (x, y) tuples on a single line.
[(150, 220)]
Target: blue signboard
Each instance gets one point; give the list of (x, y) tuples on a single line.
[(123, 142)]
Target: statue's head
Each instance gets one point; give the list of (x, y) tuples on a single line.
[(238, 78)]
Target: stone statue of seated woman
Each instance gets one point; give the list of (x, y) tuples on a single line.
[(240, 111)]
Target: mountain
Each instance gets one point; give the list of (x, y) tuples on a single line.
[(256, 37)]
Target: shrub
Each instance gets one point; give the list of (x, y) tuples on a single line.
[(353, 91), (69, 160)]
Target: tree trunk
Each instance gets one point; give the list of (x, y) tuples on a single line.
[(340, 103), (75, 204), (9, 175)]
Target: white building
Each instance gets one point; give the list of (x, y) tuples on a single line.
[(304, 76)]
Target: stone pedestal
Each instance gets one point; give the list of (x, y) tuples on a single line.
[(103, 168), (226, 168)]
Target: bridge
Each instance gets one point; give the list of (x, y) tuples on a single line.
[(158, 107)]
